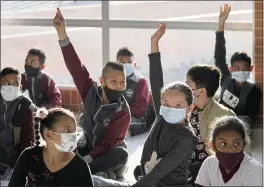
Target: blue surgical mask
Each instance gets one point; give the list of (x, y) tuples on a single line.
[(172, 115), (129, 68)]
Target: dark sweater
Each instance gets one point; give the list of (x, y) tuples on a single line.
[(174, 143), (105, 126), (31, 171), (253, 100)]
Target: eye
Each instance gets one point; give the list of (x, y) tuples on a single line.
[(165, 104), (236, 144), (222, 144), (178, 106), (123, 82), (67, 130)]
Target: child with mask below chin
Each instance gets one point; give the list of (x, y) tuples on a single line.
[(42, 89), (230, 166), (55, 165), (171, 141), (237, 93)]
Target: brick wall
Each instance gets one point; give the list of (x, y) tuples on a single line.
[(71, 98), (258, 52)]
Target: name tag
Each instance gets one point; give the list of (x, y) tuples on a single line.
[(230, 99)]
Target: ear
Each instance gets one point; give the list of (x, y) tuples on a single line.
[(135, 64), (251, 68), (102, 81), (47, 135), (230, 69), (42, 67), (212, 146)]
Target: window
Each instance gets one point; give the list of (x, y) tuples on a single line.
[(46, 9), (180, 49), (15, 47), (178, 10)]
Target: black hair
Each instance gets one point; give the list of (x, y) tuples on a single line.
[(230, 123), (114, 66), (50, 118), (7, 71), (181, 87), (205, 76), (124, 52), (240, 56), (38, 52)]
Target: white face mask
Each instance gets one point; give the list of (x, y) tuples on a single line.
[(172, 115), (10, 93), (68, 142), (129, 68), (241, 76)]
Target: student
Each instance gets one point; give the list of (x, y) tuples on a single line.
[(136, 94), (55, 165), (230, 166), (106, 116), (41, 87), (16, 118), (171, 142), (204, 81), (237, 93)]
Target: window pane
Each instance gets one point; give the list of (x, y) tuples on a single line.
[(178, 10), (180, 49), (87, 43), (46, 9)]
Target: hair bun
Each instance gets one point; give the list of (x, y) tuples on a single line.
[(42, 113)]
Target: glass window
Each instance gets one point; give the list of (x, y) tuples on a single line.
[(180, 49), (87, 43), (178, 10), (46, 9)]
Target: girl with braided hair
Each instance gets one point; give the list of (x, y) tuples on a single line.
[(54, 164)]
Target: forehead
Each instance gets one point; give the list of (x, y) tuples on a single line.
[(65, 121), (190, 82), (11, 78), (228, 135), (124, 59), (115, 74), (241, 64), (174, 97)]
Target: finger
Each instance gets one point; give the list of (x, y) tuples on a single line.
[(153, 157), (221, 9), (229, 9)]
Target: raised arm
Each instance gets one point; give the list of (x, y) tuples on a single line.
[(220, 48), (155, 69), (80, 75)]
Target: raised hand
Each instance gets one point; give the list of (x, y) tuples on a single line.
[(159, 33), (59, 24), (224, 12)]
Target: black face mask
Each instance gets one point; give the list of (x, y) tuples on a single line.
[(112, 95), (31, 71)]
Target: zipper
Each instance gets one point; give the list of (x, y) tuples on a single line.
[(4, 119), (32, 88)]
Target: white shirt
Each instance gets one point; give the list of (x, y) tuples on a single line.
[(248, 174)]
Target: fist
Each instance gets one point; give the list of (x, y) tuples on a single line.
[(159, 33)]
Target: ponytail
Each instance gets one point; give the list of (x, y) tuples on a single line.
[(41, 114)]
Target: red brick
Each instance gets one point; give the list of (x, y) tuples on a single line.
[(67, 97), (258, 41), (74, 97), (259, 49), (259, 14), (258, 5), (258, 33), (259, 76), (259, 23)]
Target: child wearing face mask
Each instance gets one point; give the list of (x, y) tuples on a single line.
[(55, 164), (237, 93), (171, 141), (42, 89), (230, 166), (16, 119)]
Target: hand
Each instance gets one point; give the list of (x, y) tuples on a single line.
[(159, 33), (59, 24), (224, 12)]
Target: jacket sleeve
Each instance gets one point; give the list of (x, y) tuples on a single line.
[(19, 174), (179, 152), (156, 79), (78, 71), (115, 133), (27, 129), (54, 95), (139, 107), (220, 55)]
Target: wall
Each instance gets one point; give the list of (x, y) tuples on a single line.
[(258, 52)]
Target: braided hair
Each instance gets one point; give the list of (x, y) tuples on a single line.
[(45, 119)]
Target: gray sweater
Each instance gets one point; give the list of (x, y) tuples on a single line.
[(174, 143)]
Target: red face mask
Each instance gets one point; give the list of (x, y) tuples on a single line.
[(229, 160)]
